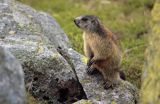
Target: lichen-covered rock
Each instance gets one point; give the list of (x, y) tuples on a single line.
[(12, 89), (125, 93), (33, 37)]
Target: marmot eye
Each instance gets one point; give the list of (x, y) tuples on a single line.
[(84, 19)]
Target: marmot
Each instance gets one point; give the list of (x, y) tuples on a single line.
[(100, 46)]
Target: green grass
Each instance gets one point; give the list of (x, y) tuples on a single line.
[(129, 19)]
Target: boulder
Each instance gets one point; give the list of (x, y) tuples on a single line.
[(54, 72), (12, 89), (33, 37), (124, 93)]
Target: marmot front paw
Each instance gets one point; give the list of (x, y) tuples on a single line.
[(91, 71)]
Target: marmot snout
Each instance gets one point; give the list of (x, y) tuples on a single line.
[(87, 23)]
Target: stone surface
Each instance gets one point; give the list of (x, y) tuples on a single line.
[(12, 89), (33, 37), (125, 93), (54, 72)]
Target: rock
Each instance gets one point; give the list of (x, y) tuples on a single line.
[(33, 37), (125, 93), (54, 72), (12, 89)]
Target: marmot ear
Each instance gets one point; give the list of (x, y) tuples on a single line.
[(95, 21)]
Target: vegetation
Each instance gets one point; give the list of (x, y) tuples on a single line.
[(151, 78), (128, 19), (31, 99)]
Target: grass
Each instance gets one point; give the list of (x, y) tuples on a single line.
[(128, 19), (150, 90)]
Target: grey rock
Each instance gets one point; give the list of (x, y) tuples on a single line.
[(125, 93), (33, 37), (12, 89), (44, 23)]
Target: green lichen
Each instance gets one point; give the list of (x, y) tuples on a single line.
[(40, 48), (84, 59), (30, 16), (84, 102), (12, 32), (55, 56), (20, 25), (88, 102), (113, 102), (32, 27), (31, 99)]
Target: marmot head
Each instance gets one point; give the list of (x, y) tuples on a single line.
[(88, 23)]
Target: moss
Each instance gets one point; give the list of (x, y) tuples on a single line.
[(31, 99), (84, 59), (151, 78), (84, 102), (113, 102)]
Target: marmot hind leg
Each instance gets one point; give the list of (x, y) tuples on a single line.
[(111, 78)]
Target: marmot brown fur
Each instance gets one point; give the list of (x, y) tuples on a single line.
[(100, 46)]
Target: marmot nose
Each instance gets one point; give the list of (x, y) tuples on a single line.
[(76, 21)]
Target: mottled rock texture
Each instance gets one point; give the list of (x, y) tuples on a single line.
[(33, 37), (12, 89)]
